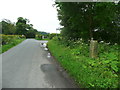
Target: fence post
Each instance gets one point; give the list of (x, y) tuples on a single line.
[(93, 49)]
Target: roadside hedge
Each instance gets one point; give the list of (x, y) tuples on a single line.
[(6, 39)]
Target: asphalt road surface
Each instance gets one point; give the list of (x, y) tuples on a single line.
[(27, 66)]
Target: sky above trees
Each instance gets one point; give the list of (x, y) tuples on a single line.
[(41, 13)]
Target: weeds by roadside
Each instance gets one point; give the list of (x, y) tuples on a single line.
[(102, 72)]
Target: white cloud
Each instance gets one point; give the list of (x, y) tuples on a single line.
[(41, 13)]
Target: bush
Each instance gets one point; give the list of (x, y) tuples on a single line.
[(53, 35), (38, 37), (30, 34)]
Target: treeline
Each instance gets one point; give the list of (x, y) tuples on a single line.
[(89, 20), (21, 27)]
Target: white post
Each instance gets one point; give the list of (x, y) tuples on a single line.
[(42, 37)]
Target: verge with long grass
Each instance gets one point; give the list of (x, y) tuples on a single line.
[(102, 72), (9, 41)]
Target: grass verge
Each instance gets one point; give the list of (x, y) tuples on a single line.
[(88, 73), (10, 45)]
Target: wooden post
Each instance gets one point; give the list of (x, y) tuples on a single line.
[(93, 49)]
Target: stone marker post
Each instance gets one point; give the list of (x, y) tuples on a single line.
[(93, 49), (43, 37)]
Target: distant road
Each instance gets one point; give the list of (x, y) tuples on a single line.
[(27, 66)]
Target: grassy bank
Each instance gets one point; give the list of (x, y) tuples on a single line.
[(10, 45), (9, 41), (87, 72)]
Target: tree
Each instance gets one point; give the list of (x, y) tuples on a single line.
[(24, 28), (8, 27), (30, 33), (87, 20), (21, 26)]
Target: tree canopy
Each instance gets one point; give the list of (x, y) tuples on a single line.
[(21, 27), (89, 20), (8, 27)]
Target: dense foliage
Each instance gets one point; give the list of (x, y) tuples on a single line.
[(88, 20), (102, 72), (53, 35), (21, 27), (8, 27)]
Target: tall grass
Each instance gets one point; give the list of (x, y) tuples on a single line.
[(9, 41), (87, 72)]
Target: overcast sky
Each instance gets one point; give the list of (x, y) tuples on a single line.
[(41, 13)]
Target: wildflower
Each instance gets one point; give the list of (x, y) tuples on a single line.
[(85, 10), (88, 40), (101, 41), (91, 38), (115, 43), (107, 43), (96, 30), (116, 2)]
